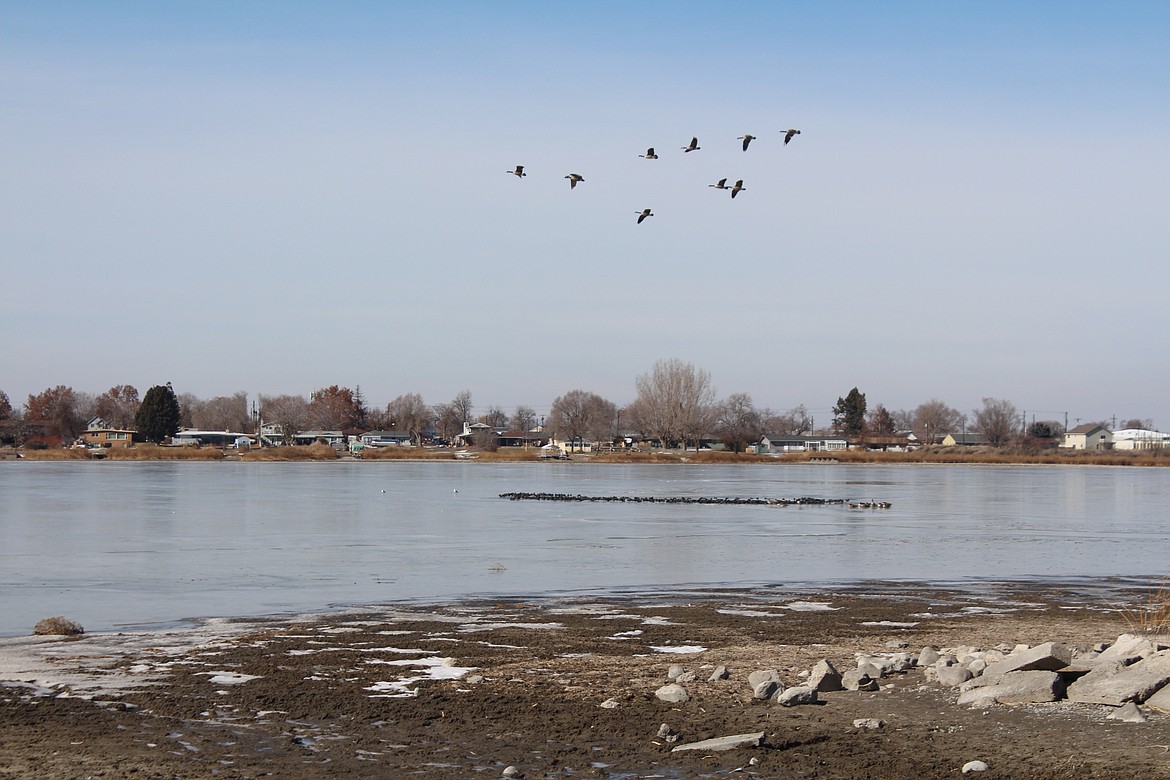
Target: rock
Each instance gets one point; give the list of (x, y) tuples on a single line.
[(952, 676), (975, 766), (723, 743), (1115, 685), (57, 626), (1126, 649), (474, 679), (801, 694), (610, 704), (664, 731), (872, 724), (674, 672), (1128, 713), (1160, 701), (824, 677), (511, 771), (870, 670), (927, 656), (766, 690), (857, 680), (1049, 656), (897, 644), (761, 675), (685, 677), (720, 673), (672, 693), (1016, 688)]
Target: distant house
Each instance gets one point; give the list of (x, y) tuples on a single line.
[(963, 440), (192, 438), (777, 444), (1089, 436), (333, 438), (523, 438), (1139, 439), (899, 442), (385, 438), (99, 433)]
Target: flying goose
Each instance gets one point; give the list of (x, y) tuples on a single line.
[(518, 172), (643, 214), (747, 139), (737, 188), (649, 154), (719, 185), (694, 145), (788, 135), (574, 178)]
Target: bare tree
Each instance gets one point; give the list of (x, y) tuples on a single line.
[(738, 423), (334, 408), (795, 422), (903, 420), (934, 419), (118, 405), (494, 417), (579, 415), (1146, 425), (221, 413), (675, 402), (290, 412), (409, 413), (462, 406), (523, 419), (997, 420)]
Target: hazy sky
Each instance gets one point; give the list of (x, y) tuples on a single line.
[(278, 196)]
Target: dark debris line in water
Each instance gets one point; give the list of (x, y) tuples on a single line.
[(805, 500)]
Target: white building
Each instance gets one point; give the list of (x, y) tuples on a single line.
[(1139, 439)]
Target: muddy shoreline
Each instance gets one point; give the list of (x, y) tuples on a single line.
[(468, 689)]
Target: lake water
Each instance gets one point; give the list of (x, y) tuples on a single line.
[(115, 545)]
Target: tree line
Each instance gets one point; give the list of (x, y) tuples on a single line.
[(675, 404)]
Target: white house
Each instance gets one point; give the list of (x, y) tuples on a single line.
[(1089, 436), (1139, 439)]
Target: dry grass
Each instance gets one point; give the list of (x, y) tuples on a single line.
[(993, 456), (155, 452), (316, 451), (406, 453), (508, 455), (1152, 617)]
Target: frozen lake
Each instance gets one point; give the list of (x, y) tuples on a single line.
[(114, 545)]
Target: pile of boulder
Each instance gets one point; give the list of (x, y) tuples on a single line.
[(1133, 670)]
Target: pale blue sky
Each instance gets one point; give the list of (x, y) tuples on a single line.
[(279, 196)]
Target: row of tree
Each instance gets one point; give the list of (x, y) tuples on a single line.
[(675, 404)]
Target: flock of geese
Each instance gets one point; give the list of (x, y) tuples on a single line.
[(693, 146)]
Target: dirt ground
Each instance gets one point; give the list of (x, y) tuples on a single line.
[(467, 690)]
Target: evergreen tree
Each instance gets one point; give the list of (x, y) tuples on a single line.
[(849, 414), (159, 414)]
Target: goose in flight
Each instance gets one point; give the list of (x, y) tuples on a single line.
[(643, 214), (693, 146), (737, 188), (574, 178), (747, 139), (649, 154), (519, 172), (788, 135), (719, 185)]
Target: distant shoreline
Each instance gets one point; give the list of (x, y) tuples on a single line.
[(320, 452)]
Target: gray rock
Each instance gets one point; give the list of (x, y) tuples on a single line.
[(1128, 713), (1016, 688), (760, 675), (723, 743), (824, 677), (685, 677), (1129, 648), (927, 656), (800, 694), (870, 670), (975, 766), (872, 724), (1049, 656), (1160, 701), (672, 693), (952, 676), (665, 731), (610, 704), (674, 672), (474, 679), (1115, 685), (766, 690), (897, 644), (511, 771), (858, 680), (720, 673)]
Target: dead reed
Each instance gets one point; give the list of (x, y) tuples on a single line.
[(1153, 615), (315, 451)]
